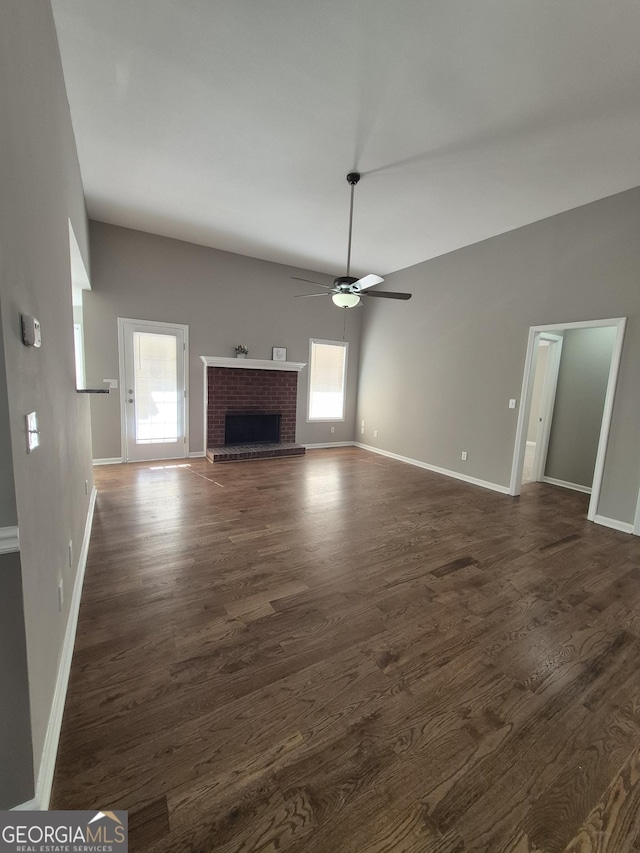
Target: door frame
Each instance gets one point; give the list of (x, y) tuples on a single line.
[(547, 402), (122, 379), (619, 323)]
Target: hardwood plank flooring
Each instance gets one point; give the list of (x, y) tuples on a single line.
[(340, 653)]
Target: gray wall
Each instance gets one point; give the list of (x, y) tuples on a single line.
[(437, 372), (16, 773), (579, 404), (225, 299), (538, 387), (41, 189)]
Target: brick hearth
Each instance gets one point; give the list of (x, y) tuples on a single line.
[(238, 452)]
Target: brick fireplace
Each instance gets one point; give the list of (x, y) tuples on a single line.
[(251, 387)]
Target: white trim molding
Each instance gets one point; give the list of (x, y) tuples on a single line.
[(29, 806), (614, 524), (52, 737), (328, 444), (576, 487), (456, 475), (251, 363), (110, 460), (197, 454), (9, 540)]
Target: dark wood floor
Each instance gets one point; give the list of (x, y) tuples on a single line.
[(346, 654)]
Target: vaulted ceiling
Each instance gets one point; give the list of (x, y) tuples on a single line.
[(233, 124)]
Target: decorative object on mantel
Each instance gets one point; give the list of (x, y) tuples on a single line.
[(242, 351), (347, 289), (279, 353)]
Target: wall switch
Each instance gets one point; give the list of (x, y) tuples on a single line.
[(71, 555), (375, 433), (60, 595), (112, 383), (86, 487), (464, 456), (362, 425), (33, 435), (512, 404), (333, 429)]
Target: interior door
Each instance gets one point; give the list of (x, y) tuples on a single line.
[(153, 390), (547, 405)]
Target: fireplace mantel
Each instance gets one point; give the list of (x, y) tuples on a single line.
[(251, 363)]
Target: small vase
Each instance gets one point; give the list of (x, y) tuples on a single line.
[(241, 355)]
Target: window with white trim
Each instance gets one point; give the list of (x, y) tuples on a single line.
[(327, 380)]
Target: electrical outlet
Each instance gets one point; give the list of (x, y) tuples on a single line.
[(362, 430), (464, 456), (86, 487), (70, 554), (60, 595), (362, 425), (375, 433), (512, 403), (333, 429)]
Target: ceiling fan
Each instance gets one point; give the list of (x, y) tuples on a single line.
[(348, 289)]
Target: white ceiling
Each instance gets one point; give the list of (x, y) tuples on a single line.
[(233, 123)]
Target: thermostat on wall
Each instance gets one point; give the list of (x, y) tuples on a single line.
[(31, 331)]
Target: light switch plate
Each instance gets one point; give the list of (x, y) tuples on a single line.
[(33, 436), (512, 404)]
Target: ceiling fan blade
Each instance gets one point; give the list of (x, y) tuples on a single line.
[(307, 295), (368, 281), (308, 280), (387, 294)]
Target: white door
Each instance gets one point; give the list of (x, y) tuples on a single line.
[(153, 389), (547, 402)]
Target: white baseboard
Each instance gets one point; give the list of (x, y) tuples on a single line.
[(575, 487), (52, 737), (113, 460), (456, 475), (622, 526), (9, 540), (29, 806), (197, 454), (329, 444)]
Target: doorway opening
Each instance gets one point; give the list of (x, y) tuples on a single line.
[(561, 438)]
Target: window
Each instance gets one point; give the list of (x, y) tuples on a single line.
[(327, 380)]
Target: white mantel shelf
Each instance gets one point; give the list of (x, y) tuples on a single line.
[(251, 363)]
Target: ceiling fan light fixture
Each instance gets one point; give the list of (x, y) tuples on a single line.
[(346, 300)]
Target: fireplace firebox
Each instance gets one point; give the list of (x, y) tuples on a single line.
[(251, 428)]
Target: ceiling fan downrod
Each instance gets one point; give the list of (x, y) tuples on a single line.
[(352, 180)]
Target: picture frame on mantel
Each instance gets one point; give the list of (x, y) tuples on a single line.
[(279, 354)]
